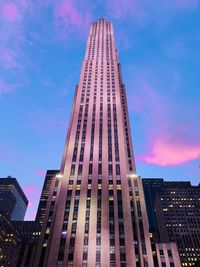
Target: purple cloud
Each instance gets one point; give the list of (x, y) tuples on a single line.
[(5, 87), (165, 153), (71, 16), (10, 12)]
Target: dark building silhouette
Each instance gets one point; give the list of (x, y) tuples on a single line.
[(151, 188), (13, 202), (50, 175), (25, 252)]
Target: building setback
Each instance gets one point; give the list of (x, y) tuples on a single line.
[(95, 213)]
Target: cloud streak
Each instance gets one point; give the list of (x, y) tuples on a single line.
[(165, 153)]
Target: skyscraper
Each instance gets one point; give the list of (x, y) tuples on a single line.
[(13, 202), (95, 213)]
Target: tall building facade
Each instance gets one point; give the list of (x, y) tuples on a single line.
[(95, 213), (13, 201)]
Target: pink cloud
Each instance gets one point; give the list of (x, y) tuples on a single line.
[(33, 194), (7, 57), (10, 12), (30, 204), (31, 189), (68, 10), (5, 87), (127, 8), (165, 153), (40, 173), (71, 16)]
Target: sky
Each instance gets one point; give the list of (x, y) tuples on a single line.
[(42, 45)]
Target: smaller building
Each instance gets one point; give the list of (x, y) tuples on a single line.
[(9, 241), (29, 233), (50, 175), (174, 212), (178, 217), (167, 255), (13, 202), (151, 188)]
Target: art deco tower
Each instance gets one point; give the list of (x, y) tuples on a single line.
[(95, 212)]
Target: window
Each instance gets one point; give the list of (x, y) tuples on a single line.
[(80, 168), (161, 252), (117, 169), (110, 169), (90, 168), (85, 256), (72, 169), (98, 256), (169, 252), (100, 168), (122, 256), (112, 257)]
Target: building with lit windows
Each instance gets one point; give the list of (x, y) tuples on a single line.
[(94, 213), (177, 209), (9, 241), (50, 175)]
